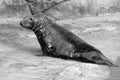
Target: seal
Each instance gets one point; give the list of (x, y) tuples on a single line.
[(57, 41)]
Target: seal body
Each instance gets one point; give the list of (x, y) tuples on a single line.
[(56, 41)]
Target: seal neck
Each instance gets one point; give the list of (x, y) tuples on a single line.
[(41, 24)]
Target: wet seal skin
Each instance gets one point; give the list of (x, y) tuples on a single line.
[(56, 41)]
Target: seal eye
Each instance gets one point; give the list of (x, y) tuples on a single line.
[(31, 19)]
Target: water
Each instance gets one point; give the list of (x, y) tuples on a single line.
[(17, 44)]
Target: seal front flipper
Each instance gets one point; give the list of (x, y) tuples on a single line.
[(46, 47)]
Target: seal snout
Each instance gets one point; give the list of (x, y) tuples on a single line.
[(27, 23)]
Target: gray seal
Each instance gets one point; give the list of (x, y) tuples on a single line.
[(57, 41)]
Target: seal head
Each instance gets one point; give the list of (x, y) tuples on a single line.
[(27, 22)]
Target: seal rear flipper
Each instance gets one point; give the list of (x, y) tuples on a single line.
[(112, 63)]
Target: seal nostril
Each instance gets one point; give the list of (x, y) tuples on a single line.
[(21, 24)]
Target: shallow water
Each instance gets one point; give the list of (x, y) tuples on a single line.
[(19, 45)]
